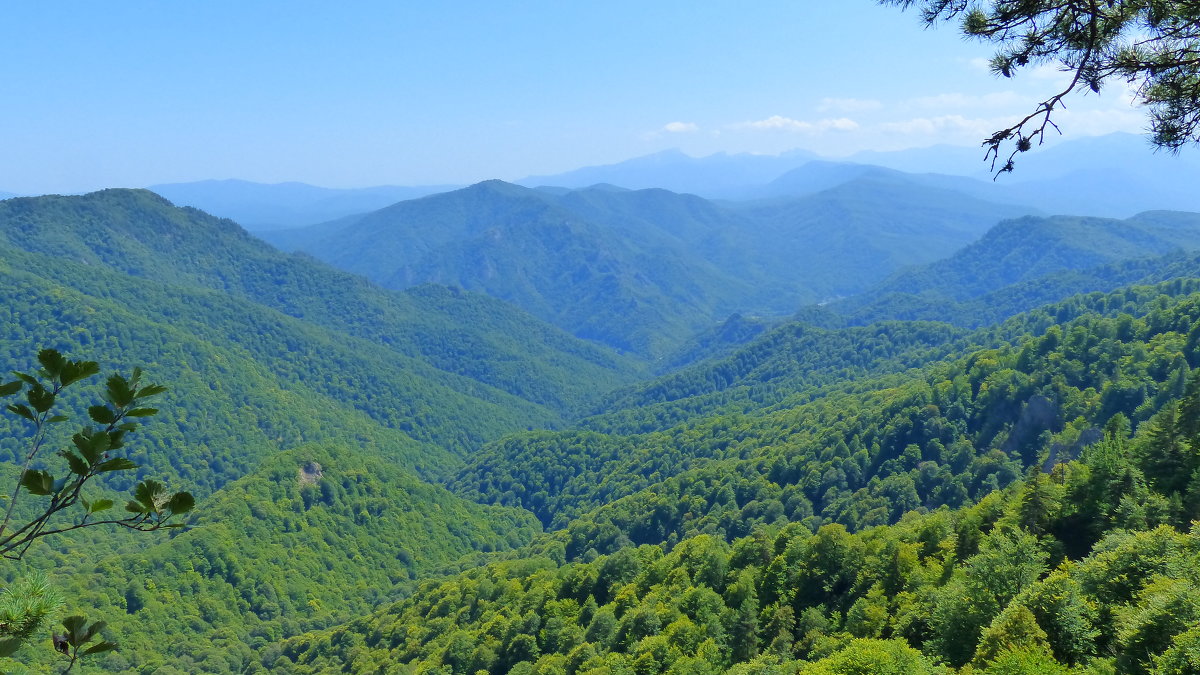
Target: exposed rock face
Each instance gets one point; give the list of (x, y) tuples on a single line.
[(310, 473)]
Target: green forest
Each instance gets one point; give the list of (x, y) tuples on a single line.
[(433, 481), (623, 338)]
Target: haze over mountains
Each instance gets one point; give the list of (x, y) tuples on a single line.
[(1117, 175), (258, 206), (1108, 176), (643, 270)]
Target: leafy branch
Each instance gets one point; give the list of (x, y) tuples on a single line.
[(93, 452), (76, 636), (1153, 46)]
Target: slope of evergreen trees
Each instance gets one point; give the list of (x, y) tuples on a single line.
[(434, 482), (996, 512)]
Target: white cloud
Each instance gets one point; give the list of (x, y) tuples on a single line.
[(957, 101), (839, 124), (1050, 72), (681, 127), (944, 125), (980, 63), (1098, 122), (781, 123), (848, 105)]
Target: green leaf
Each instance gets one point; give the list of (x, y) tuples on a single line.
[(10, 388), (37, 482), (181, 502), (141, 412), (100, 647), (27, 379), (100, 505), (76, 629), (40, 398), (75, 371), (118, 392), (149, 493), (150, 390), (57, 418), (134, 507), (92, 444), (116, 439), (93, 629), (22, 410), (52, 362), (78, 464), (116, 464), (102, 414)]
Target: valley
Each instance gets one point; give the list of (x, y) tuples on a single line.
[(856, 416)]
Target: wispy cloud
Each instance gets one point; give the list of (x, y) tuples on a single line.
[(848, 105), (681, 127), (980, 63), (957, 101), (943, 125), (781, 123), (1050, 72)]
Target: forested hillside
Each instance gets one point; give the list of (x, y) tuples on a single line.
[(321, 403), (434, 480), (828, 441), (1022, 508), (1030, 248), (314, 535), (800, 350), (643, 271), (141, 235), (1023, 264)]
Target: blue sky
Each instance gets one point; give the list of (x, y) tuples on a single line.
[(96, 94)]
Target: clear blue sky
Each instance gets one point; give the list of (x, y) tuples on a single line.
[(132, 92)]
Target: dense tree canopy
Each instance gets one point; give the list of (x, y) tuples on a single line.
[(1153, 45)]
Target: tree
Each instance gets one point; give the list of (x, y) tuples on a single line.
[(1153, 45), (94, 452)]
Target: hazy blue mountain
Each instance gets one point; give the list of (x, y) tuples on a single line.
[(716, 176), (261, 206), (645, 270), (1029, 248), (842, 240), (1116, 175), (795, 249), (821, 175), (1057, 158), (464, 335), (944, 159), (1129, 152), (1115, 191), (630, 286), (1030, 261)]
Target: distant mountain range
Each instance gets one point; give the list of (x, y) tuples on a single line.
[(1117, 175), (1027, 262), (719, 176), (357, 449), (645, 270), (259, 206)]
